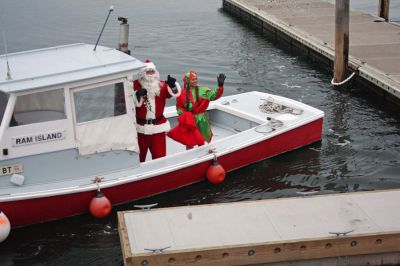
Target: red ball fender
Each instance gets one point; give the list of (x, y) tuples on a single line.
[(100, 206), (5, 226), (215, 172)]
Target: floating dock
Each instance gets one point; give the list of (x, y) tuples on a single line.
[(309, 26), (360, 228)]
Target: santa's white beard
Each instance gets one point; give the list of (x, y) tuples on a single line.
[(151, 83)]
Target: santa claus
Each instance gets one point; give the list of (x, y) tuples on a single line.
[(151, 95)]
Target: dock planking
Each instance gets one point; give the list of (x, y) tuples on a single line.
[(316, 229), (374, 45)]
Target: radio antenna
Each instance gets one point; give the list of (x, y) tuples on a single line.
[(8, 66), (98, 39)]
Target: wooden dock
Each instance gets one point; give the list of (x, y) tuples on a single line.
[(359, 228), (309, 25)]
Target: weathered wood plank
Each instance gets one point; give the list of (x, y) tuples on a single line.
[(124, 239)]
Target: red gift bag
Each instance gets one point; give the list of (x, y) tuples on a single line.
[(186, 131)]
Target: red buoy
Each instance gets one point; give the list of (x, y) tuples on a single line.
[(215, 172), (4, 227), (100, 206)]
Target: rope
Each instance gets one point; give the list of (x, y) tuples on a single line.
[(213, 152), (97, 180), (344, 81), (270, 107)]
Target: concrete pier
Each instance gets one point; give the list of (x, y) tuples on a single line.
[(309, 26)]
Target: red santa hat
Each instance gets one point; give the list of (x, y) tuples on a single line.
[(149, 65)]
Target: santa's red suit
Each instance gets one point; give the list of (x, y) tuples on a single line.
[(151, 123)]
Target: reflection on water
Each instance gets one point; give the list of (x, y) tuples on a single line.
[(360, 142)]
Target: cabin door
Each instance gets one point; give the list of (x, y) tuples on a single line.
[(104, 117)]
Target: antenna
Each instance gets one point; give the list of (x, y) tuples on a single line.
[(98, 39), (8, 66)]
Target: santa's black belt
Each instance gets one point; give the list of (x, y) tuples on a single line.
[(148, 121)]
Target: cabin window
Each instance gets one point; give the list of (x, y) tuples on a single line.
[(3, 104), (100, 102), (39, 107)]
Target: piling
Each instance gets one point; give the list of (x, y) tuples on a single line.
[(383, 9), (341, 40)]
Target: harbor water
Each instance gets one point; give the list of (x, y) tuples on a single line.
[(360, 147)]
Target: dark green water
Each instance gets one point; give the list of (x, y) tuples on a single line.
[(180, 35)]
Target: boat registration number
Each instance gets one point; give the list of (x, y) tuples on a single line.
[(11, 169)]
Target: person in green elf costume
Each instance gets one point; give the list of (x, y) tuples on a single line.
[(195, 99)]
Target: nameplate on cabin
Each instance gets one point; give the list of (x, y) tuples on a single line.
[(38, 138), (11, 169)]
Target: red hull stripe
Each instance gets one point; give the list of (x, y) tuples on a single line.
[(26, 212)]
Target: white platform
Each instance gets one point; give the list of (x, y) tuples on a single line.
[(241, 223)]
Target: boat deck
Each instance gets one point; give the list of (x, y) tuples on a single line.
[(263, 231), (219, 132), (235, 122)]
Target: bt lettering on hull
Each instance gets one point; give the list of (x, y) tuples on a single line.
[(38, 138), (11, 169)]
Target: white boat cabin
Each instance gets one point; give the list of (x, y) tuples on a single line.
[(70, 103)]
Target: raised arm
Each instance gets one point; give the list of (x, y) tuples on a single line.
[(174, 88), (216, 93)]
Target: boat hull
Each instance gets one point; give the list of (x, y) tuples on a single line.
[(37, 210)]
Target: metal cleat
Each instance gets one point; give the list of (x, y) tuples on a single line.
[(157, 250), (338, 234), (145, 207)]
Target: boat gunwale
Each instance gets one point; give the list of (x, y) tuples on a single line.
[(129, 178)]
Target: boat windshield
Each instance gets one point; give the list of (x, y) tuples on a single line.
[(39, 107), (3, 105)]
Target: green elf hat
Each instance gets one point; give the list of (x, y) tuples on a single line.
[(188, 76)]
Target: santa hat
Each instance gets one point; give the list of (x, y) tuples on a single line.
[(149, 65)]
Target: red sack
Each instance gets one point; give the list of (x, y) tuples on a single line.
[(186, 131)]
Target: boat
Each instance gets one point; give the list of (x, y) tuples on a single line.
[(68, 131)]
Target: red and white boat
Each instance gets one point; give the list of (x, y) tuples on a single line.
[(67, 119)]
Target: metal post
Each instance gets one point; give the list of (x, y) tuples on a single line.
[(119, 92), (383, 9), (341, 40), (123, 36)]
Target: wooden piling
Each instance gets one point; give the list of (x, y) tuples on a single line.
[(383, 9), (341, 40)]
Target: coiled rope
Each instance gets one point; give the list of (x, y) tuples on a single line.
[(270, 106)]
